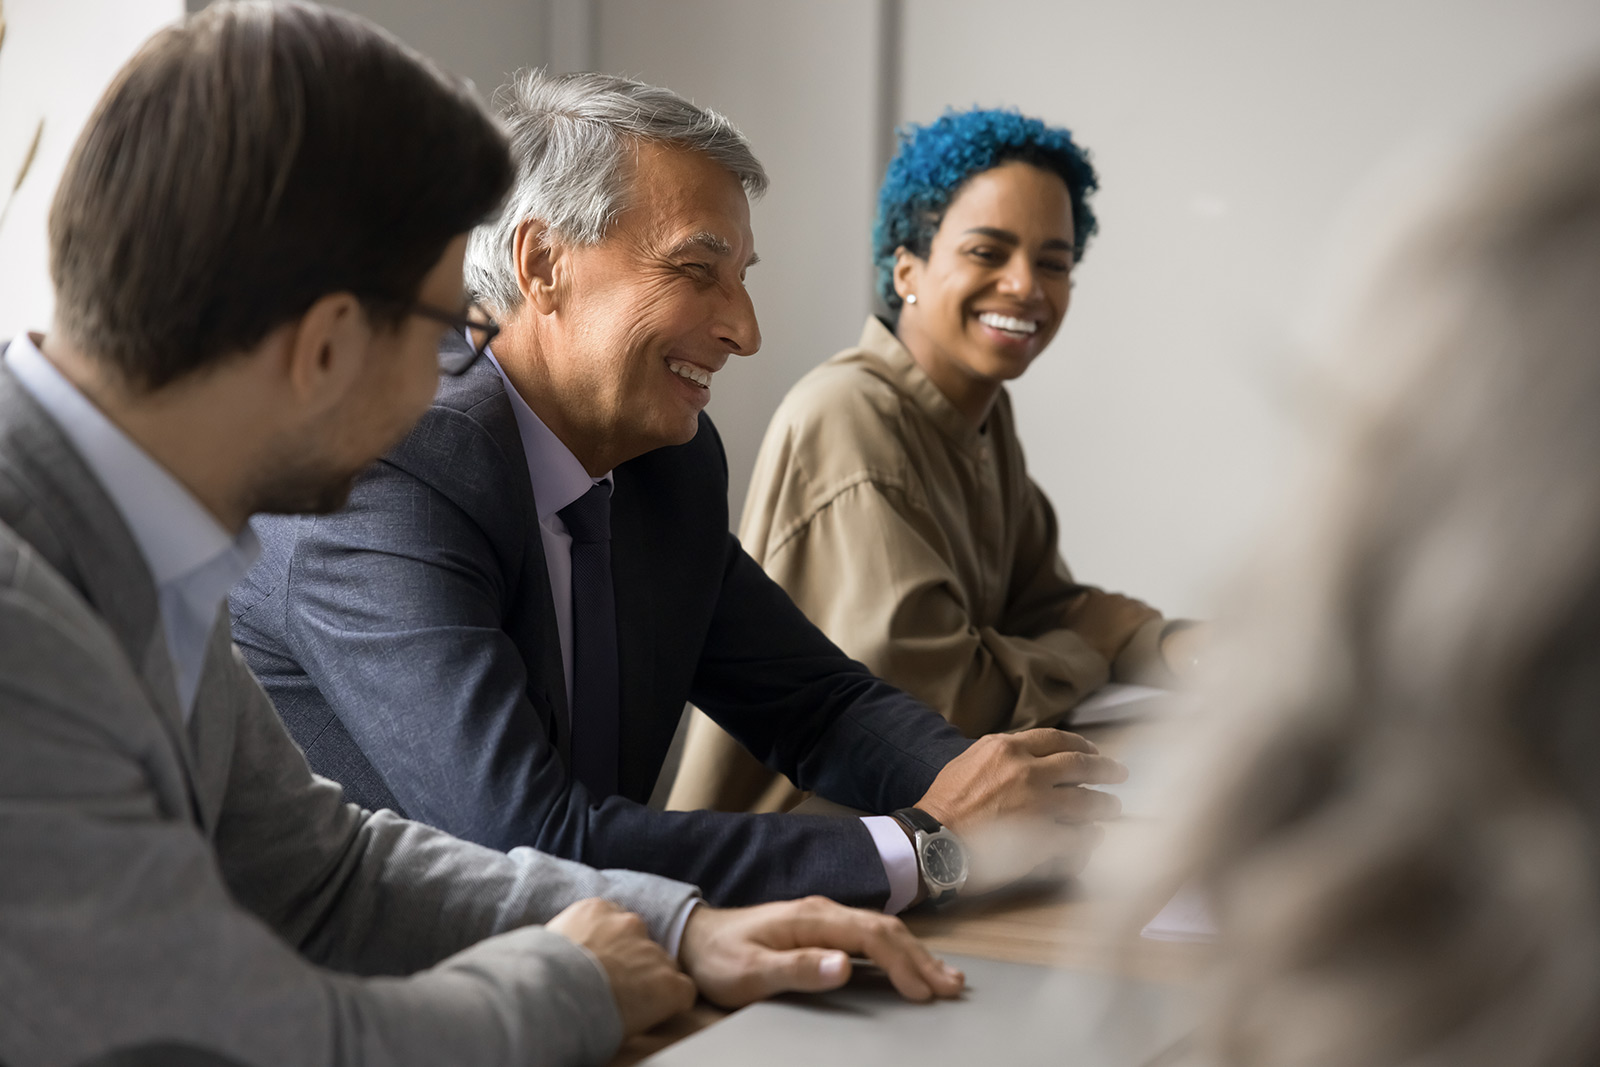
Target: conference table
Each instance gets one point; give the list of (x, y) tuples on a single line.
[(1086, 924)]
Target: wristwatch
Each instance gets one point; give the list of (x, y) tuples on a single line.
[(941, 857)]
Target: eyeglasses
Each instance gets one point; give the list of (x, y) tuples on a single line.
[(483, 327)]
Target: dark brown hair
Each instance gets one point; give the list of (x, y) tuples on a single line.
[(249, 162)]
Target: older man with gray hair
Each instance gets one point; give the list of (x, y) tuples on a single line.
[(499, 634)]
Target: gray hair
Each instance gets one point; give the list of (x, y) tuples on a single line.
[(571, 135)]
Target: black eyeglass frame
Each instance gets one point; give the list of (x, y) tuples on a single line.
[(483, 327)]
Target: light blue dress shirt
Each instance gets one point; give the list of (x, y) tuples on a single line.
[(559, 479), (193, 560)]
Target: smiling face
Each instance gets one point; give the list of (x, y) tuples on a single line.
[(995, 286), (631, 330)]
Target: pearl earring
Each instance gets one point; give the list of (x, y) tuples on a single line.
[(911, 298)]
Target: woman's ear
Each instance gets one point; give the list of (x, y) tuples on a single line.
[(907, 272), (538, 260)]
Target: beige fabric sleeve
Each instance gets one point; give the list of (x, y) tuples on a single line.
[(1044, 598), (869, 570)]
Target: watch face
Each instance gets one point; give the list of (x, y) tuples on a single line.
[(944, 861)]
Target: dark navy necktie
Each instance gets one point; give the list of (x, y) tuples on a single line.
[(595, 688)]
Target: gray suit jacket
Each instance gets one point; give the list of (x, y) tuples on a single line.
[(164, 882)]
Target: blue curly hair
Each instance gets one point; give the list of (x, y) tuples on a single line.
[(935, 161)]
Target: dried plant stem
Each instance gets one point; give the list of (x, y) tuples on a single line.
[(22, 172)]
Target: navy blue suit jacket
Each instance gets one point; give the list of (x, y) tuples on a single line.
[(410, 645)]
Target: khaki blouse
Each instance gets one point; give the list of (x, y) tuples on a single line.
[(922, 548)]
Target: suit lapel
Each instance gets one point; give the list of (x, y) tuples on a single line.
[(547, 676), (61, 508), (212, 734)]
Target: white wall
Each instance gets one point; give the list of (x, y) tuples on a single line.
[(483, 40), (1229, 136), (57, 58)]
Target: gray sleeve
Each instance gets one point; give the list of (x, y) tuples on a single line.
[(121, 924), (374, 893)]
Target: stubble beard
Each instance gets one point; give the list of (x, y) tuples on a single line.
[(302, 486)]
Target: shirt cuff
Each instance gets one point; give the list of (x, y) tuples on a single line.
[(675, 932), (899, 860)]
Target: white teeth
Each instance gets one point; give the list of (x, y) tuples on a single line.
[(1007, 323), (695, 374)]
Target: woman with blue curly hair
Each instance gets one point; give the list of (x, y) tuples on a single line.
[(890, 497)]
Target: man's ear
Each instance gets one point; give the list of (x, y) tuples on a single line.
[(327, 350), (907, 271), (537, 256)]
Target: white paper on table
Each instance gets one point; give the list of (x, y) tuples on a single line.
[(1114, 702), (1185, 918)]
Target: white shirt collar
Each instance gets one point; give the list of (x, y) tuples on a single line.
[(174, 531), (558, 478), (192, 559)]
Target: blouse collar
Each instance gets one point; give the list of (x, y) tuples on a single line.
[(878, 340)]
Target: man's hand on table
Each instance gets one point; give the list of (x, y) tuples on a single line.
[(1035, 772), (645, 982), (1019, 803), (735, 956), (740, 955)]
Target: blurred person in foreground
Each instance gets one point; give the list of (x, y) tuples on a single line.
[(1401, 843), (891, 499), (498, 635), (255, 247)]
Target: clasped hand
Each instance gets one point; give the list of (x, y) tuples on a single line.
[(734, 956)]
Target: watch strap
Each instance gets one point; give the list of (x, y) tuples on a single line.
[(918, 819)]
